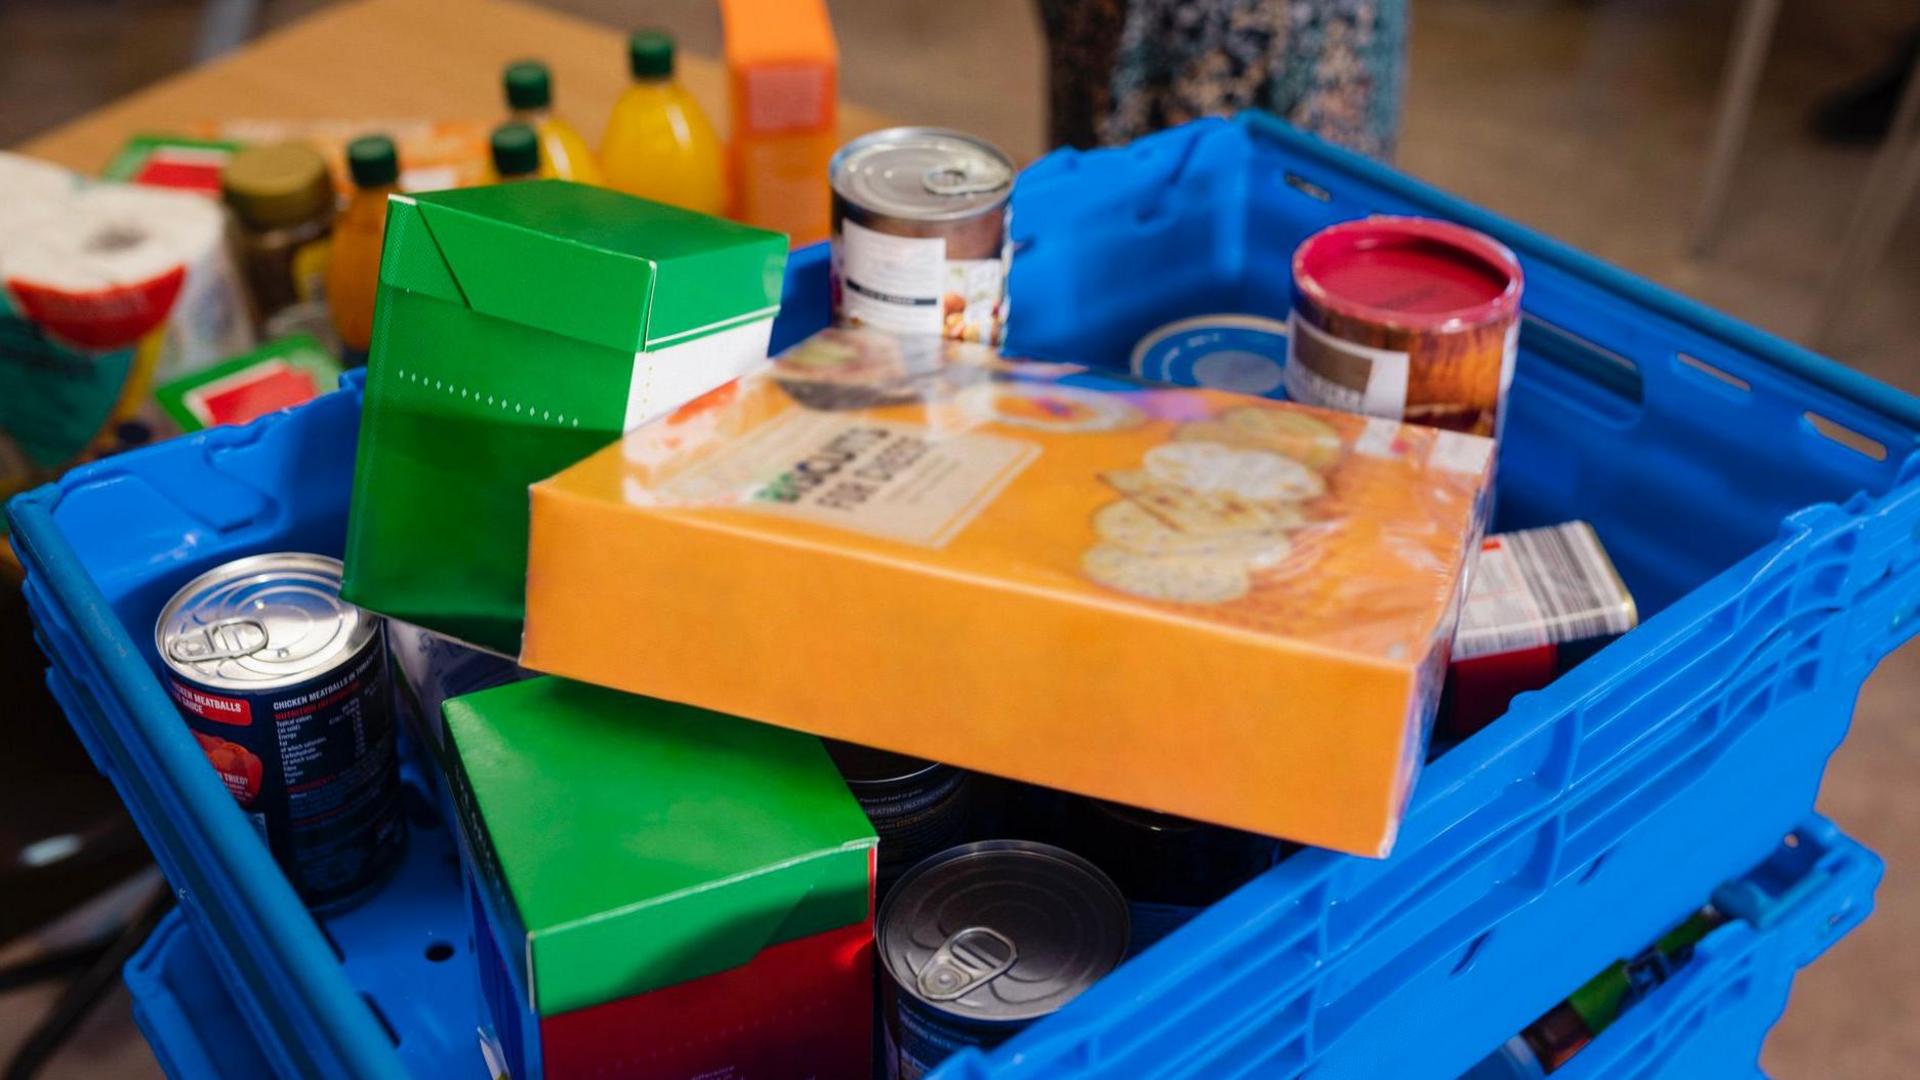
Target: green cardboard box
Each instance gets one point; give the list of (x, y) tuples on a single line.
[(518, 328), (622, 845), (280, 374)]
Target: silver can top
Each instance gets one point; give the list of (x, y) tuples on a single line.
[(922, 174), (1001, 931), (262, 622)]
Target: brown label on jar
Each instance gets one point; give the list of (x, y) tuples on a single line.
[(1333, 373)]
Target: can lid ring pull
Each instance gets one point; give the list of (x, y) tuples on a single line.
[(228, 639), (959, 180), (966, 961)]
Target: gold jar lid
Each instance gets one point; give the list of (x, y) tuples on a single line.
[(278, 185)]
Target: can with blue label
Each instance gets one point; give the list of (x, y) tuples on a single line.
[(286, 688), (917, 807), (1169, 868), (1242, 354), (982, 940)]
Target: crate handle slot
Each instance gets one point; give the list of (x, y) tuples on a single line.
[(1711, 371), (1834, 431), (1576, 355), (1307, 187)]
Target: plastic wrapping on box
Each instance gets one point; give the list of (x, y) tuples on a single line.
[(1222, 607)]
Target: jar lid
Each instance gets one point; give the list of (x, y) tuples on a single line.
[(282, 184), (1416, 273)]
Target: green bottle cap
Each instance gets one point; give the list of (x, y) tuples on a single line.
[(373, 161), (516, 151), (529, 85), (650, 54)]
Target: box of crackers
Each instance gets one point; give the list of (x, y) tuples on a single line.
[(1227, 608)]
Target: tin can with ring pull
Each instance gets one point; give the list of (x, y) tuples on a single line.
[(982, 940), (285, 687), (920, 234)]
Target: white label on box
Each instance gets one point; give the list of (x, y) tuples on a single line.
[(1542, 586), (666, 378), (889, 282), (1456, 451), (880, 477), (1378, 438), (1327, 371)]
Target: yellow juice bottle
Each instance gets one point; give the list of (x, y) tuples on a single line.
[(659, 144), (563, 153), (353, 268)]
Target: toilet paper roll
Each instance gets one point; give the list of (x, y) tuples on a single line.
[(112, 265), (31, 191), (104, 288)]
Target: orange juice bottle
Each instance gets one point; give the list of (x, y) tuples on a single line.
[(353, 271), (516, 153), (659, 144), (563, 153)]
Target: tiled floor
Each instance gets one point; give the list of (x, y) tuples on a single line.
[(1584, 118)]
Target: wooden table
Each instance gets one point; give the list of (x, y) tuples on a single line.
[(392, 59)]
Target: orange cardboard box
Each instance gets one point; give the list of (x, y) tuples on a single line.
[(1228, 608), (783, 73)]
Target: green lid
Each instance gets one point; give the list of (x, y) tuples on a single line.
[(516, 151), (586, 262), (373, 161), (277, 185), (650, 54), (638, 843), (529, 85)]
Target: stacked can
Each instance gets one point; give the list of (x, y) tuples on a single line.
[(982, 940), (917, 807), (1169, 868)]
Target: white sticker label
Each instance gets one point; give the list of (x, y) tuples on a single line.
[(893, 480), (664, 379), (1456, 451), (892, 283), (1324, 370), (1377, 438)]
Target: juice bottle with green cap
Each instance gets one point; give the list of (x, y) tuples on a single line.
[(659, 144), (516, 152), (353, 271), (563, 153)]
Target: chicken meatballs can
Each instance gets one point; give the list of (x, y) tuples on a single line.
[(920, 234), (1405, 318), (286, 688)]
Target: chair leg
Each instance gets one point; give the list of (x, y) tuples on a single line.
[(224, 26), (77, 1001), (1883, 201), (1739, 85)]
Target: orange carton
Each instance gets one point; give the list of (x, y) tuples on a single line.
[(782, 67), (1227, 608)]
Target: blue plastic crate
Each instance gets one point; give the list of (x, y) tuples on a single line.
[(1708, 1022), (1711, 1019), (1669, 762)]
